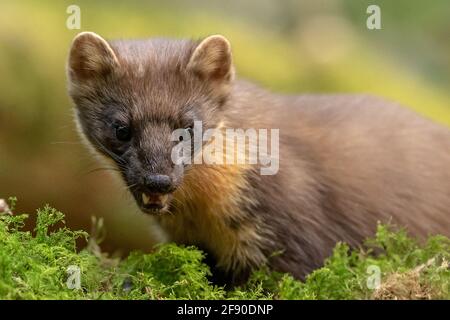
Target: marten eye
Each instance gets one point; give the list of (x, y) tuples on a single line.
[(123, 133)]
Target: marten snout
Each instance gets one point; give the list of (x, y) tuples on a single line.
[(158, 183), (154, 194)]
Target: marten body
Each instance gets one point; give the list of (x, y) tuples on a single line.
[(345, 162)]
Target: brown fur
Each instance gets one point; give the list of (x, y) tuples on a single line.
[(346, 161)]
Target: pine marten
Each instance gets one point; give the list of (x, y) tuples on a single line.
[(345, 161)]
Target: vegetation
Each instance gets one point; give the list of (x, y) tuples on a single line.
[(34, 265)]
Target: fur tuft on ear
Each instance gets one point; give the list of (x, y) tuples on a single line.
[(90, 56), (212, 59)]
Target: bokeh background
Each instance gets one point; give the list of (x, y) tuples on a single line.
[(287, 46)]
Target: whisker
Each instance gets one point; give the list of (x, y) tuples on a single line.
[(111, 154), (129, 187), (65, 142), (103, 169)]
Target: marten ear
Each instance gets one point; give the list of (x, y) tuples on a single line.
[(90, 56), (212, 59)]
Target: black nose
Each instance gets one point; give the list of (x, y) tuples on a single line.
[(158, 183)]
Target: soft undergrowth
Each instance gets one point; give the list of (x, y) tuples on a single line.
[(41, 264)]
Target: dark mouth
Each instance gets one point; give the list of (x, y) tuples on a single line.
[(153, 203)]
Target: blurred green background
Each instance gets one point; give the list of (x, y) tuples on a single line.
[(286, 46)]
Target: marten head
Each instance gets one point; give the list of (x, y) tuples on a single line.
[(130, 96)]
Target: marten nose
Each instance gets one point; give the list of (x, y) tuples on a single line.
[(158, 183)]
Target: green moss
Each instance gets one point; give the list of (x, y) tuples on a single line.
[(34, 265)]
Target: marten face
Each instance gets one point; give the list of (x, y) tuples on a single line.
[(132, 99)]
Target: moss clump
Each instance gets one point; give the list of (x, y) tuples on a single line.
[(35, 266)]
